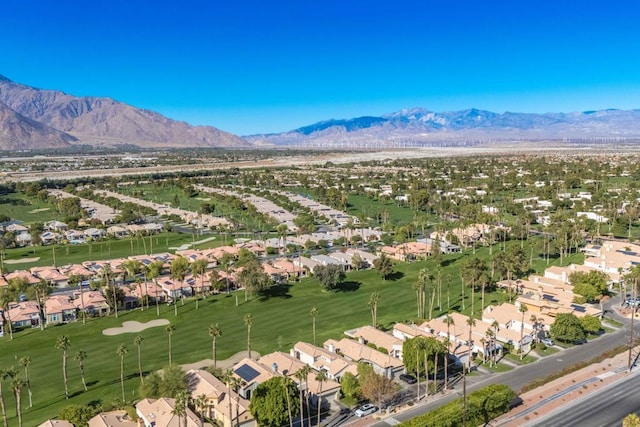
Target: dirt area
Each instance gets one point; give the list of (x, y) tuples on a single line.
[(21, 261), (133, 327)]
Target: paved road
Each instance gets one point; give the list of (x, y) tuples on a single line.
[(604, 408), (523, 375)]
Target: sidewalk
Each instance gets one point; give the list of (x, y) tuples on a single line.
[(547, 398)]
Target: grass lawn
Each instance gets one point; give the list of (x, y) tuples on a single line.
[(280, 320), (97, 250), (500, 367), (27, 209), (547, 351), (528, 358)]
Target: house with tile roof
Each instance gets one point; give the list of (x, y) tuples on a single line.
[(59, 309), (160, 413), (56, 423), (358, 352), (112, 419)]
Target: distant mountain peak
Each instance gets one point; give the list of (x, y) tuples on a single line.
[(5, 79)]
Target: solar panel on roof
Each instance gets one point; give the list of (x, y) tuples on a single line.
[(627, 253), (247, 373)]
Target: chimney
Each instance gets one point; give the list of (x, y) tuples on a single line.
[(331, 348), (361, 340), (274, 367)]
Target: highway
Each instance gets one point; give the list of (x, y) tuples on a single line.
[(604, 408)]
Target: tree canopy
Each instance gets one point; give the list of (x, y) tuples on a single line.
[(567, 328), (269, 402), (329, 275)]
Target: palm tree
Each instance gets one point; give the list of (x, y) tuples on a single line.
[(76, 280), (170, 329), (132, 267), (214, 332), (522, 309), (201, 402), (179, 267), (248, 320), (121, 351), (17, 384), (448, 320), (25, 361), (42, 287), (81, 356), (302, 374), (373, 305), (228, 378), (314, 313), (5, 300), (107, 276), (63, 343), (471, 322), (4, 373), (180, 408), (199, 267), (154, 270), (138, 340), (320, 377)]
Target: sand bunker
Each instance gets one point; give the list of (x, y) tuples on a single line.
[(21, 261), (133, 327)]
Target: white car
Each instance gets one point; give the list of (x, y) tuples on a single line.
[(365, 410), (548, 342)]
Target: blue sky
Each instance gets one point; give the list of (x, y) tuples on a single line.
[(250, 67)]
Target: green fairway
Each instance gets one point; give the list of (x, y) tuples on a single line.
[(280, 320)]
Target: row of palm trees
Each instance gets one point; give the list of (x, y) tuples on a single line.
[(17, 384)]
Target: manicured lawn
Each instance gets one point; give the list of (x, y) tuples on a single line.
[(528, 358), (27, 209), (107, 249), (500, 367), (547, 351)]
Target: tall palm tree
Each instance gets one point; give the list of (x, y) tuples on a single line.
[(448, 320), (170, 329), (121, 351), (314, 313), (41, 288), (154, 271), (471, 322), (25, 361), (228, 378), (81, 356), (522, 309), (199, 267), (201, 402), (17, 384), (321, 377), (107, 277), (180, 408), (5, 300), (248, 321), (138, 340), (373, 305), (179, 267), (214, 332), (4, 373), (63, 343), (76, 280), (302, 374)]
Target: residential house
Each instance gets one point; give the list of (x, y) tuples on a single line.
[(357, 351), (94, 302), (160, 413), (117, 418), (326, 360), (24, 314), (56, 423), (220, 400), (59, 309), (384, 342)]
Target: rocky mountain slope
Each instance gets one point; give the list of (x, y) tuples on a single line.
[(97, 121), (420, 126), (18, 132)]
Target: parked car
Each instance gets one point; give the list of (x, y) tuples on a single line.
[(548, 342), (365, 410), (408, 378)]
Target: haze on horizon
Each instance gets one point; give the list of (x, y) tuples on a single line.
[(257, 67)]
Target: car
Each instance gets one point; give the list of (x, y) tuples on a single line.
[(548, 342), (365, 410), (408, 378)]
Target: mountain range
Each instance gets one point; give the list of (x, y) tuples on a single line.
[(32, 118), (420, 126)]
